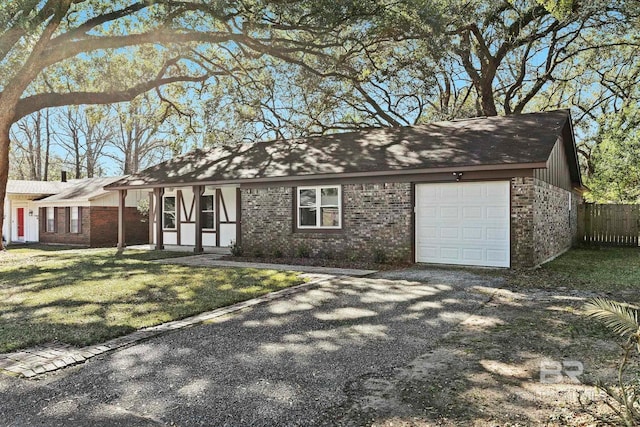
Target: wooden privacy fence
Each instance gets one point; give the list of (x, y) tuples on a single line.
[(609, 225)]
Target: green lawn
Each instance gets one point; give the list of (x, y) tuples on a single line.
[(596, 269), (82, 297)]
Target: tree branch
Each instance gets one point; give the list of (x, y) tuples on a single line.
[(34, 103)]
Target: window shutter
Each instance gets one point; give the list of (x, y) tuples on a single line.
[(55, 219), (43, 219), (79, 219), (67, 219)]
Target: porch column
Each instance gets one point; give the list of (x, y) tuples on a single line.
[(158, 211), (197, 194), (150, 217), (122, 196)]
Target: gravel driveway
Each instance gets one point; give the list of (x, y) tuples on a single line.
[(286, 363)]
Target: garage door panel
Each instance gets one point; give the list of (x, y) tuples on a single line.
[(472, 212), (449, 212), (497, 212), (472, 233), (450, 253), (428, 233), (428, 212), (475, 192), (463, 223), (472, 255), (501, 234), (449, 233)]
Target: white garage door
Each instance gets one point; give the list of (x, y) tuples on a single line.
[(463, 223)]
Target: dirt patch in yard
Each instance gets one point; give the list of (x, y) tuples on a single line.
[(497, 368)]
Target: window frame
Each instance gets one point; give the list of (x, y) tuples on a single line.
[(77, 210), (51, 229), (318, 206), (212, 194), (174, 211)]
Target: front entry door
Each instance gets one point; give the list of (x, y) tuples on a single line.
[(20, 223)]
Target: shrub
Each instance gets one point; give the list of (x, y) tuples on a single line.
[(624, 397), (303, 252), (379, 256), (235, 249), (277, 253)]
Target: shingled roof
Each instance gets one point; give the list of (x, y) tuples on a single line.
[(82, 190), (35, 188), (500, 142)]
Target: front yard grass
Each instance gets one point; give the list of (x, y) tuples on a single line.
[(82, 297), (593, 269)]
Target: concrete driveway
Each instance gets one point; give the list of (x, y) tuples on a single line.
[(296, 361)]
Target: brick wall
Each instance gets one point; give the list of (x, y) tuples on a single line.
[(542, 225), (61, 235), (554, 221), (376, 217), (99, 227), (522, 197), (104, 226)]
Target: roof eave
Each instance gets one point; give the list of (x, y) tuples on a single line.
[(501, 166)]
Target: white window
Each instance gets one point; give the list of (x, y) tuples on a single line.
[(207, 210), (74, 219), (319, 207), (169, 212), (51, 220)]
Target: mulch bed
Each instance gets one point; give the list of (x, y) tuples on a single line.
[(320, 262)]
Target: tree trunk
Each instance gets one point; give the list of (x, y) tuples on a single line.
[(47, 148), (5, 126)]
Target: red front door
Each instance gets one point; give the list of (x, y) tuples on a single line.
[(20, 223)]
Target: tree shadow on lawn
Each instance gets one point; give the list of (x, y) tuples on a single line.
[(85, 301)]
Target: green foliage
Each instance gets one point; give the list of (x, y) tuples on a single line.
[(622, 319), (303, 251), (616, 158), (235, 249), (380, 256)]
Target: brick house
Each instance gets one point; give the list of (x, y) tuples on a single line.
[(491, 191), (83, 213)]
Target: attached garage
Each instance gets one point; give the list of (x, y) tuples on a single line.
[(464, 223)]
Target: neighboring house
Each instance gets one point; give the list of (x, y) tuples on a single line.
[(85, 214), (20, 212), (77, 212), (494, 191)]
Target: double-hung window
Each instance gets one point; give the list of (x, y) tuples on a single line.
[(74, 219), (207, 209), (51, 219), (319, 207), (169, 212)]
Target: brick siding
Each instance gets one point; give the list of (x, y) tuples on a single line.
[(99, 227), (376, 217), (554, 221), (542, 225), (61, 235), (104, 226), (522, 196)]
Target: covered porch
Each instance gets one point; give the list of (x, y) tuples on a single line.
[(198, 218)]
